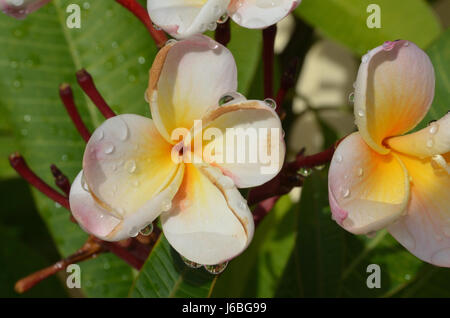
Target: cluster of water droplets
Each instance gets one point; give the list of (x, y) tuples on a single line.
[(213, 269), (433, 128)]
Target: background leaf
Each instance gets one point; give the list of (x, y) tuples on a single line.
[(345, 22)]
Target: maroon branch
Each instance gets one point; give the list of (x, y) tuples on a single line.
[(288, 80), (88, 251), (19, 164), (141, 13), (223, 33), (269, 59), (263, 208), (66, 94), (87, 84), (61, 180)]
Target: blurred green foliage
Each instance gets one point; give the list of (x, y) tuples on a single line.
[(297, 250)]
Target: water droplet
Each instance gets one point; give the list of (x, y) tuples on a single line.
[(171, 42), (346, 193), (190, 263), (57, 205), (216, 269), (226, 182), (141, 60), (106, 266), (64, 157), (84, 184), (434, 127), (146, 231), (430, 143), (351, 97), (271, 103), (213, 45), (265, 4), (320, 168), (406, 43), (242, 204), (361, 113), (114, 45), (407, 277), (360, 172), (441, 163), (133, 232), (223, 18), (130, 166), (109, 149), (27, 118), (166, 205), (339, 158), (229, 97), (212, 26), (305, 172), (86, 5), (123, 131)]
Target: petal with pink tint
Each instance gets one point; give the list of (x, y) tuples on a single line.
[(20, 9), (367, 191), (184, 18), (126, 163), (247, 142), (430, 141), (186, 80), (425, 229), (259, 14), (210, 222), (394, 90)]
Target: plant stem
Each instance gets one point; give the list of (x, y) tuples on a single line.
[(61, 180), (269, 59), (288, 81), (223, 33), (263, 208), (66, 94), (89, 250), (19, 164), (141, 13), (87, 84)]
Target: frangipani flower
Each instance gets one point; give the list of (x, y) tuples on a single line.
[(379, 178), (129, 177), (183, 18), (19, 9)]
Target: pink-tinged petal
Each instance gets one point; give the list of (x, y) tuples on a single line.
[(184, 18), (259, 14), (425, 229), (98, 221), (245, 140), (209, 222), (430, 141), (19, 9), (367, 191), (127, 163), (187, 79), (92, 218), (394, 90)]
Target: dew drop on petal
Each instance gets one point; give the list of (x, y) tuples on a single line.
[(100, 135), (346, 193), (433, 127), (216, 269), (430, 143), (271, 103), (361, 113), (146, 231), (360, 172), (229, 97), (351, 97), (109, 149), (166, 205), (133, 232), (190, 263), (222, 19), (339, 158), (130, 166)]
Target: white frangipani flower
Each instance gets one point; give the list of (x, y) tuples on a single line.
[(19, 9), (183, 18)]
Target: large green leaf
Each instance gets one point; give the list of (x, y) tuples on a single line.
[(439, 53), (345, 21), (165, 275)]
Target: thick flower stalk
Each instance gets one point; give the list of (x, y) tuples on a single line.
[(181, 18), (19, 9), (136, 169), (380, 178)]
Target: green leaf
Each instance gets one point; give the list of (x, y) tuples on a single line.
[(345, 21), (257, 272), (439, 53), (37, 55), (165, 275)]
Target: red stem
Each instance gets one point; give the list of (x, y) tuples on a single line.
[(66, 94), (287, 82), (223, 33), (268, 59), (19, 164), (61, 180), (124, 254), (312, 161), (87, 84), (141, 13), (263, 208), (89, 250)]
